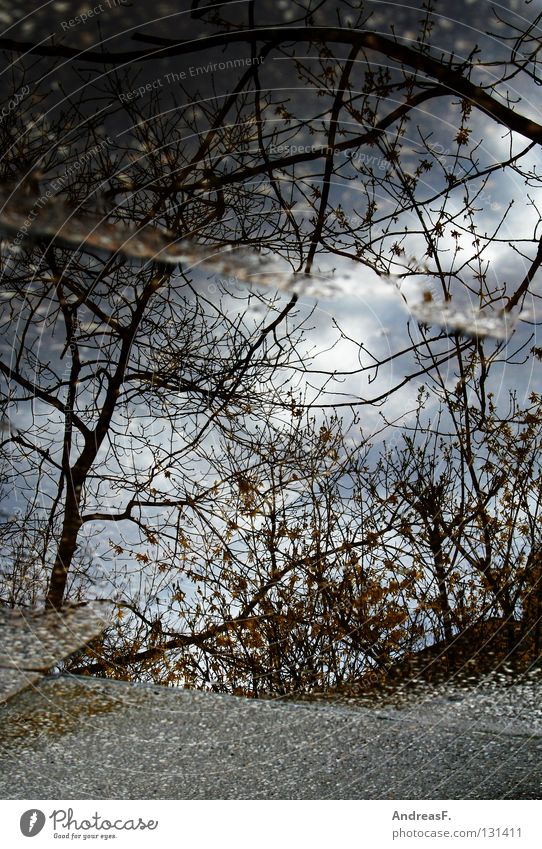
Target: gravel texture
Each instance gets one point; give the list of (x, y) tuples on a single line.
[(71, 737)]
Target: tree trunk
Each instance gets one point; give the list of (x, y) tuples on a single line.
[(66, 549)]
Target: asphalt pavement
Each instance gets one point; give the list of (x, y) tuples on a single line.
[(81, 738)]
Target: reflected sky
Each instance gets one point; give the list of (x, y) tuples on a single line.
[(357, 178)]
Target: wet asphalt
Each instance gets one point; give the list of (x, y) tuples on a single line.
[(80, 738)]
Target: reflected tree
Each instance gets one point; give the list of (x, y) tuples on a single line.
[(174, 441)]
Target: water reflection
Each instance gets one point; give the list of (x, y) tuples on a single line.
[(224, 416)]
